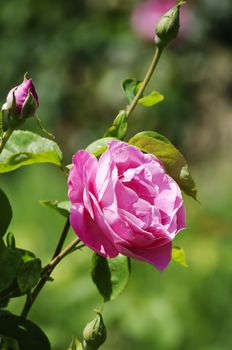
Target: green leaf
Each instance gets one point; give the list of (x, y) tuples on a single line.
[(5, 213), (25, 276), (173, 161), (154, 135), (29, 275), (152, 99), (130, 87), (25, 148), (110, 275), (119, 127), (75, 344), (23, 332), (62, 208), (178, 255), (10, 263), (100, 146)]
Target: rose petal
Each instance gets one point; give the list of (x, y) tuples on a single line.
[(158, 256), (89, 232)]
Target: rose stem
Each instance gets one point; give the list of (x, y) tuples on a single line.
[(62, 238), (146, 80), (46, 272)]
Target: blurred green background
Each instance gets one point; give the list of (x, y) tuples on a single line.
[(78, 52)]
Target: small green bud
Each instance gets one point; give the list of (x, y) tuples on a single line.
[(94, 333), (168, 27)]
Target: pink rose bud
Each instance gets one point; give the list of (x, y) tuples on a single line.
[(125, 203), (22, 101)]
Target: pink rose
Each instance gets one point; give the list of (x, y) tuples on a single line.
[(125, 203), (147, 14)]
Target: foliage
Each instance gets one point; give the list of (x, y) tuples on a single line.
[(24, 269)]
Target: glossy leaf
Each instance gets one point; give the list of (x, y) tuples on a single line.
[(25, 148), (29, 275), (119, 127), (110, 275), (152, 99), (62, 208), (10, 263), (100, 146), (23, 332), (154, 135), (173, 161), (5, 213), (178, 255)]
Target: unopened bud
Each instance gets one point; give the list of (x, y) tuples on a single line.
[(168, 27), (21, 103), (94, 333)]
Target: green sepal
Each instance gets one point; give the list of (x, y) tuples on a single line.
[(10, 240), (75, 344), (119, 127), (29, 107)]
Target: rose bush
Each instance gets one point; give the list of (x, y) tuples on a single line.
[(125, 203)]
